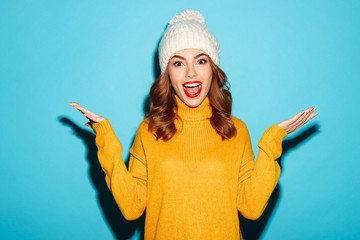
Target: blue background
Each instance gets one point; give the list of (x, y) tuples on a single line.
[(280, 57)]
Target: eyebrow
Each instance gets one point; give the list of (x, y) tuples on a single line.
[(197, 56)]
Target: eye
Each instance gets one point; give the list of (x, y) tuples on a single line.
[(177, 64), (202, 61)]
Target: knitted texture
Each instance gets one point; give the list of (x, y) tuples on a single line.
[(187, 30), (193, 185)]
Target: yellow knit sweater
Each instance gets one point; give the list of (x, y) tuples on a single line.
[(192, 185)]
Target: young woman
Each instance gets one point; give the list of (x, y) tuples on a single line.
[(192, 166)]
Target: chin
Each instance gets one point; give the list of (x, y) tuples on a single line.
[(193, 103)]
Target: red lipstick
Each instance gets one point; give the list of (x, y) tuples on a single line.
[(192, 89)]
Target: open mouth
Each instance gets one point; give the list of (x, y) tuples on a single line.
[(192, 89)]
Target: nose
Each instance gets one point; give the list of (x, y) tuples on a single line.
[(190, 71)]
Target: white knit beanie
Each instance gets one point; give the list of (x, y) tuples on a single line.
[(187, 30)]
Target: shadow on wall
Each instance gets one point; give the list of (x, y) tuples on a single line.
[(252, 230), (120, 227)]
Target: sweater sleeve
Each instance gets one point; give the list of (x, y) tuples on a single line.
[(258, 180), (129, 187)]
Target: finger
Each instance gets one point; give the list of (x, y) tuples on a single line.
[(88, 124), (302, 122), (300, 116), (296, 117), (303, 117), (307, 115), (288, 124), (77, 106), (82, 109), (311, 116), (74, 104)]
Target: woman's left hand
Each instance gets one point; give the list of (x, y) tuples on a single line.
[(292, 124)]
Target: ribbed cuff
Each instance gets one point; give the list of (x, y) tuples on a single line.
[(273, 134), (272, 139), (278, 132), (102, 127)]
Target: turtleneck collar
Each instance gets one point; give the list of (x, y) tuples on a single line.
[(201, 112)]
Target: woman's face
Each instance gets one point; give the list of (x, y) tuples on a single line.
[(190, 75)]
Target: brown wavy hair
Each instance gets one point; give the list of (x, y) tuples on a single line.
[(164, 110)]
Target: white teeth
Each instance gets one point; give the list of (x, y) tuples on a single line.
[(190, 85)]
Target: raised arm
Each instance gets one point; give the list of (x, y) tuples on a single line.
[(258, 180), (129, 187)]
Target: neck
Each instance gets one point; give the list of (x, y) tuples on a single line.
[(201, 112)]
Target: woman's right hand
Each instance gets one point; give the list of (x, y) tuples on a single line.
[(93, 118)]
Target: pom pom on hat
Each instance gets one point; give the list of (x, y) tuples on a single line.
[(187, 30), (187, 16)]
